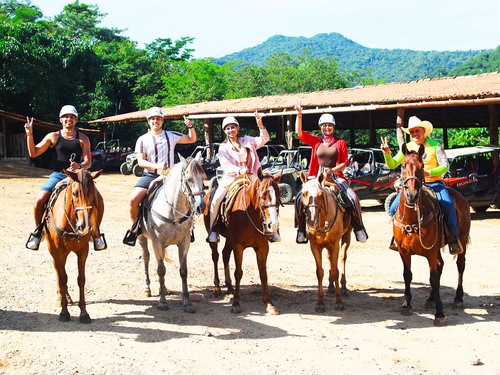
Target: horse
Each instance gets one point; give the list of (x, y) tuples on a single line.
[(418, 230), (327, 225), (169, 219), (73, 218), (250, 221)]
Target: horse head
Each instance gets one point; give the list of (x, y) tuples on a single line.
[(413, 173), (194, 175), (268, 193), (81, 198), (314, 199)]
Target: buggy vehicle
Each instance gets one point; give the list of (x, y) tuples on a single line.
[(291, 162), (108, 155), (267, 153), (130, 166), (475, 172), (209, 164), (369, 176)]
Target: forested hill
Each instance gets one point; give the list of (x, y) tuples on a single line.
[(394, 65)]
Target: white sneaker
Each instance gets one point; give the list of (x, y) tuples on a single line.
[(361, 236), (100, 243), (213, 237), (33, 242), (301, 237), (275, 237)]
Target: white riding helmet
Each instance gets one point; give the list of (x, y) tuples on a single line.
[(68, 110), (154, 111), (229, 120), (326, 118)]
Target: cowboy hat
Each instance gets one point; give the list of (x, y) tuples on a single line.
[(415, 122)]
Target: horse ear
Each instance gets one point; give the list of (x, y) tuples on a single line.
[(71, 174), (421, 150), (96, 174), (321, 178), (404, 149), (260, 175), (181, 158), (277, 177), (303, 177)]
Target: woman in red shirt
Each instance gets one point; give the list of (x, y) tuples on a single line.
[(329, 156)]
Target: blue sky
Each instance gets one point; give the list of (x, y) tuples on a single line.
[(224, 26)]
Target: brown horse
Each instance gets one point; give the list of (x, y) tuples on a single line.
[(327, 223), (73, 217), (251, 220), (418, 230)]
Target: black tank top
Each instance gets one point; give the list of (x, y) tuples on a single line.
[(63, 150)]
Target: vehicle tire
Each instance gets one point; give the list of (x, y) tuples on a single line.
[(137, 170), (479, 209), (286, 193), (388, 201), (96, 165), (213, 183), (125, 170)]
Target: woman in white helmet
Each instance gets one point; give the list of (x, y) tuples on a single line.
[(71, 152), (329, 155), (155, 153), (237, 156)]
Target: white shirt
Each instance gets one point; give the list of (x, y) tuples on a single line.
[(158, 148)]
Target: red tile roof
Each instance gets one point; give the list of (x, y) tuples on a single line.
[(401, 94)]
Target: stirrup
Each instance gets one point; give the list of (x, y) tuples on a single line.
[(455, 247), (192, 235), (393, 245), (131, 237), (301, 237), (34, 240), (100, 243), (213, 237)]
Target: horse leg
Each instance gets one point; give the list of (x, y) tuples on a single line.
[(261, 254), (238, 273), (333, 256), (226, 257), (346, 242), (458, 301), (82, 258), (62, 282), (439, 317), (316, 251), (183, 247), (143, 241), (161, 270), (407, 275), (440, 264), (215, 260)]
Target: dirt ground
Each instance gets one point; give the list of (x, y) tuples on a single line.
[(130, 335)]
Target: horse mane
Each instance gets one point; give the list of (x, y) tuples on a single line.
[(86, 182)]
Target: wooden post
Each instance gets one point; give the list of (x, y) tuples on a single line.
[(399, 125), (444, 119), (493, 124), (371, 128), (208, 132), (289, 132)]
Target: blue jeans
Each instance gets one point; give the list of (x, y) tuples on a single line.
[(444, 199), (54, 178)]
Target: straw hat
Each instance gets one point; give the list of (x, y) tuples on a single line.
[(415, 122)]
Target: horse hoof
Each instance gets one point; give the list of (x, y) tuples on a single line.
[(189, 309), (320, 309), (64, 317), (406, 311), (163, 306), (440, 322), (236, 309), (85, 319), (217, 292), (459, 304), (339, 307), (147, 293), (345, 293), (272, 310)]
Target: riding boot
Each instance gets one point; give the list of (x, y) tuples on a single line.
[(361, 235), (35, 238), (455, 247), (100, 242), (213, 236), (301, 231), (393, 245)]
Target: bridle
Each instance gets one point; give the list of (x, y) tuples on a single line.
[(262, 207), (320, 207)]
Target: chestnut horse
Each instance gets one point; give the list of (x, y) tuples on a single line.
[(73, 218), (251, 220), (417, 230), (327, 224)]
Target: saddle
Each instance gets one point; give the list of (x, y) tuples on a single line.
[(229, 200)]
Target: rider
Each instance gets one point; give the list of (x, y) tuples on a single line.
[(329, 155), (72, 152), (435, 165), (155, 153), (237, 156)]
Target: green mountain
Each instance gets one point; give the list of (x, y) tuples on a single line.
[(391, 65), (484, 63)]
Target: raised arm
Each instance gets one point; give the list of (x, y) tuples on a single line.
[(298, 119), (191, 136)]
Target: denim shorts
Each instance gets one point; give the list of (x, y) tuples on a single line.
[(54, 178), (146, 179)]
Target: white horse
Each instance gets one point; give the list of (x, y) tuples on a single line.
[(169, 220)]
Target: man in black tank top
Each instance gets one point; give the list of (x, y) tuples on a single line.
[(66, 142)]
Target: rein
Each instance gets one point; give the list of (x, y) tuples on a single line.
[(262, 208)]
